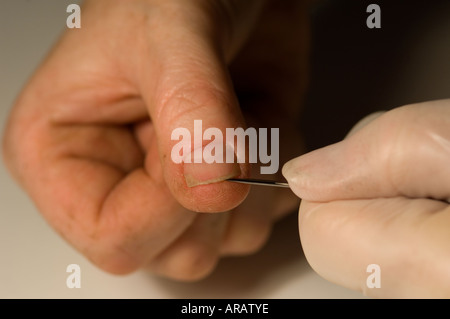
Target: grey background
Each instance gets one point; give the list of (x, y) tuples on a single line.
[(354, 71)]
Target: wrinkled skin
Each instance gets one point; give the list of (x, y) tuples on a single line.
[(89, 137), (381, 197)]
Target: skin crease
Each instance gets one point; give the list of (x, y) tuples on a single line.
[(89, 136), (381, 197)]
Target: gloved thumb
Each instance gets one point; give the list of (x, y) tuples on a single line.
[(403, 152)]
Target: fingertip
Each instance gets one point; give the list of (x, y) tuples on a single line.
[(197, 174), (114, 262), (292, 174), (203, 186), (313, 175), (193, 267), (215, 197)]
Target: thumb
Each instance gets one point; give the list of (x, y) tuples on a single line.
[(188, 90), (404, 152)]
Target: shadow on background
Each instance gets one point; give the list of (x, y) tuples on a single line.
[(356, 70), (242, 277)]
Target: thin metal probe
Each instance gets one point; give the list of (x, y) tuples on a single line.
[(261, 182)]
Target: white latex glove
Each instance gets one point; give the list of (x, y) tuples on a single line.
[(380, 197)]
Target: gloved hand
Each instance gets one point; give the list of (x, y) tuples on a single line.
[(381, 197)]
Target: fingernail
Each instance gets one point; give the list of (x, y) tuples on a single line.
[(209, 170), (291, 169), (308, 174), (297, 173)]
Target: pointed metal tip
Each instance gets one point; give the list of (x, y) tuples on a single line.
[(261, 182)]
